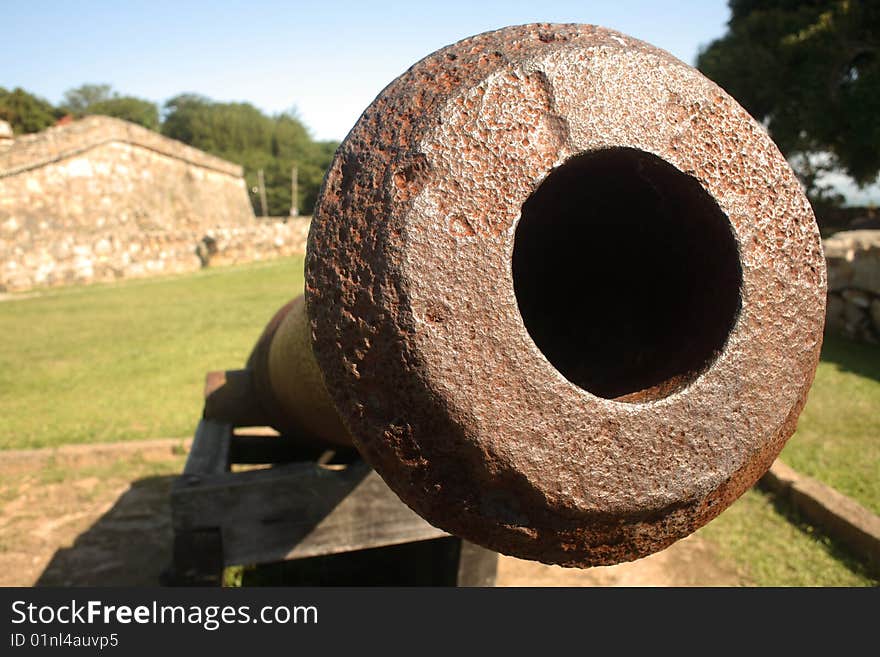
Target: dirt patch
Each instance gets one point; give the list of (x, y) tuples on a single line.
[(98, 515), (689, 562), (87, 515)]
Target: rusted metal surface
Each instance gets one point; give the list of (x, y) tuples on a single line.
[(417, 324), (283, 382)]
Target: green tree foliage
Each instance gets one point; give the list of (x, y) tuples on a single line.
[(78, 100), (811, 71), (225, 129), (26, 112), (136, 110), (241, 133), (101, 99)]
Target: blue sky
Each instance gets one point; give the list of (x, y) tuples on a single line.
[(328, 59)]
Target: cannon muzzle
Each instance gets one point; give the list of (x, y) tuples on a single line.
[(562, 292)]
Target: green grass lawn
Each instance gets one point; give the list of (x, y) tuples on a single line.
[(838, 435), (771, 545), (127, 361)]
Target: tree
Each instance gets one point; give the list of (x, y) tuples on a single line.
[(101, 99), (225, 129), (77, 101), (182, 116), (136, 110), (26, 112), (810, 70), (243, 134)]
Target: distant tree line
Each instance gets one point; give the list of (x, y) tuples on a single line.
[(810, 71), (238, 132)]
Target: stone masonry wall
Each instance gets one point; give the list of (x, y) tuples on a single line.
[(854, 284), (102, 198), (102, 173), (108, 256)]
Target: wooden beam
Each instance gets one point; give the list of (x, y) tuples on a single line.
[(298, 510), (209, 454)]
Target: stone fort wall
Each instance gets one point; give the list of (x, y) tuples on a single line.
[(853, 259), (101, 199)]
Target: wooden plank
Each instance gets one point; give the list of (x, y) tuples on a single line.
[(209, 454), (238, 497), (299, 510)]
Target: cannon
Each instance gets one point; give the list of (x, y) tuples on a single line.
[(562, 292)]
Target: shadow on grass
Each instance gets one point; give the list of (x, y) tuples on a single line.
[(849, 356), (127, 546), (832, 546)]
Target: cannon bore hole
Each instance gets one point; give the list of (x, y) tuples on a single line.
[(626, 273)]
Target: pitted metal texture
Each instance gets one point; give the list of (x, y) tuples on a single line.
[(418, 329)]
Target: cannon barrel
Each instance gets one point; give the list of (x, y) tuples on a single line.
[(562, 292)]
